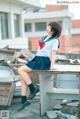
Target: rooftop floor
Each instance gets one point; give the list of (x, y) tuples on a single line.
[(30, 112)]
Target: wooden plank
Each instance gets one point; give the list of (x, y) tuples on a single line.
[(3, 101), (4, 88), (11, 93), (6, 93)]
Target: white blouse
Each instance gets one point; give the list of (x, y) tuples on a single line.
[(49, 46)]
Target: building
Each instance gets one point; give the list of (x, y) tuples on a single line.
[(12, 22), (36, 22), (75, 36)]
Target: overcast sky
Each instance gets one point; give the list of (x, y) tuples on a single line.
[(73, 7)]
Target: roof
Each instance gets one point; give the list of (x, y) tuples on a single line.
[(46, 15), (35, 3), (25, 3)]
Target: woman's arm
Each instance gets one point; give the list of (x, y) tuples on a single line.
[(53, 55)]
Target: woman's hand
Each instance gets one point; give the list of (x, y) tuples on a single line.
[(53, 68)]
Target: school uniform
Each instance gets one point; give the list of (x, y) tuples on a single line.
[(42, 61)]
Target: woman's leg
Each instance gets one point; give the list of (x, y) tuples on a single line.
[(23, 87), (24, 77), (26, 81)]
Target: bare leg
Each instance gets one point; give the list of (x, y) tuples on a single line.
[(23, 87), (25, 79)]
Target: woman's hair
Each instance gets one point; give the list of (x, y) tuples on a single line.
[(55, 28)]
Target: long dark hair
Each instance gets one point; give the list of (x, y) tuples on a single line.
[(55, 28)]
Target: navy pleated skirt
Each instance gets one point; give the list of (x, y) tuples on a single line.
[(39, 63)]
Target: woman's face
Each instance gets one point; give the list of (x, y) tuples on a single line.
[(49, 29)]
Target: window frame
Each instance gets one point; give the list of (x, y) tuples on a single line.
[(40, 23)]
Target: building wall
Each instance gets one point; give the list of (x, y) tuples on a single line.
[(69, 42), (34, 43), (76, 23), (64, 46), (65, 43), (12, 41), (75, 43), (75, 36), (56, 7)]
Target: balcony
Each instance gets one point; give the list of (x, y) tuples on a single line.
[(25, 3), (34, 3)]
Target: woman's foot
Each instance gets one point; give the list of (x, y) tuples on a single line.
[(23, 105), (32, 95)]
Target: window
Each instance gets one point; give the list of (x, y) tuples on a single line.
[(17, 25), (4, 25), (40, 26), (28, 27)]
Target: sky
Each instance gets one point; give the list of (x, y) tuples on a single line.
[(74, 8)]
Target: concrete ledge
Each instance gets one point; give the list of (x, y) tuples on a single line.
[(63, 91)]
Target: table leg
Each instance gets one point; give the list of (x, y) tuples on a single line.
[(46, 83)]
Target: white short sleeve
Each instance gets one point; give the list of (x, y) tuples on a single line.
[(55, 44)]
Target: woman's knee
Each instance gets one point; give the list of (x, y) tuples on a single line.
[(19, 70), (23, 69)]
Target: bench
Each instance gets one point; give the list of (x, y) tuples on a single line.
[(48, 93)]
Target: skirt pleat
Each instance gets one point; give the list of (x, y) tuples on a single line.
[(39, 63)]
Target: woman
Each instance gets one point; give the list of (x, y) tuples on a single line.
[(43, 60)]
